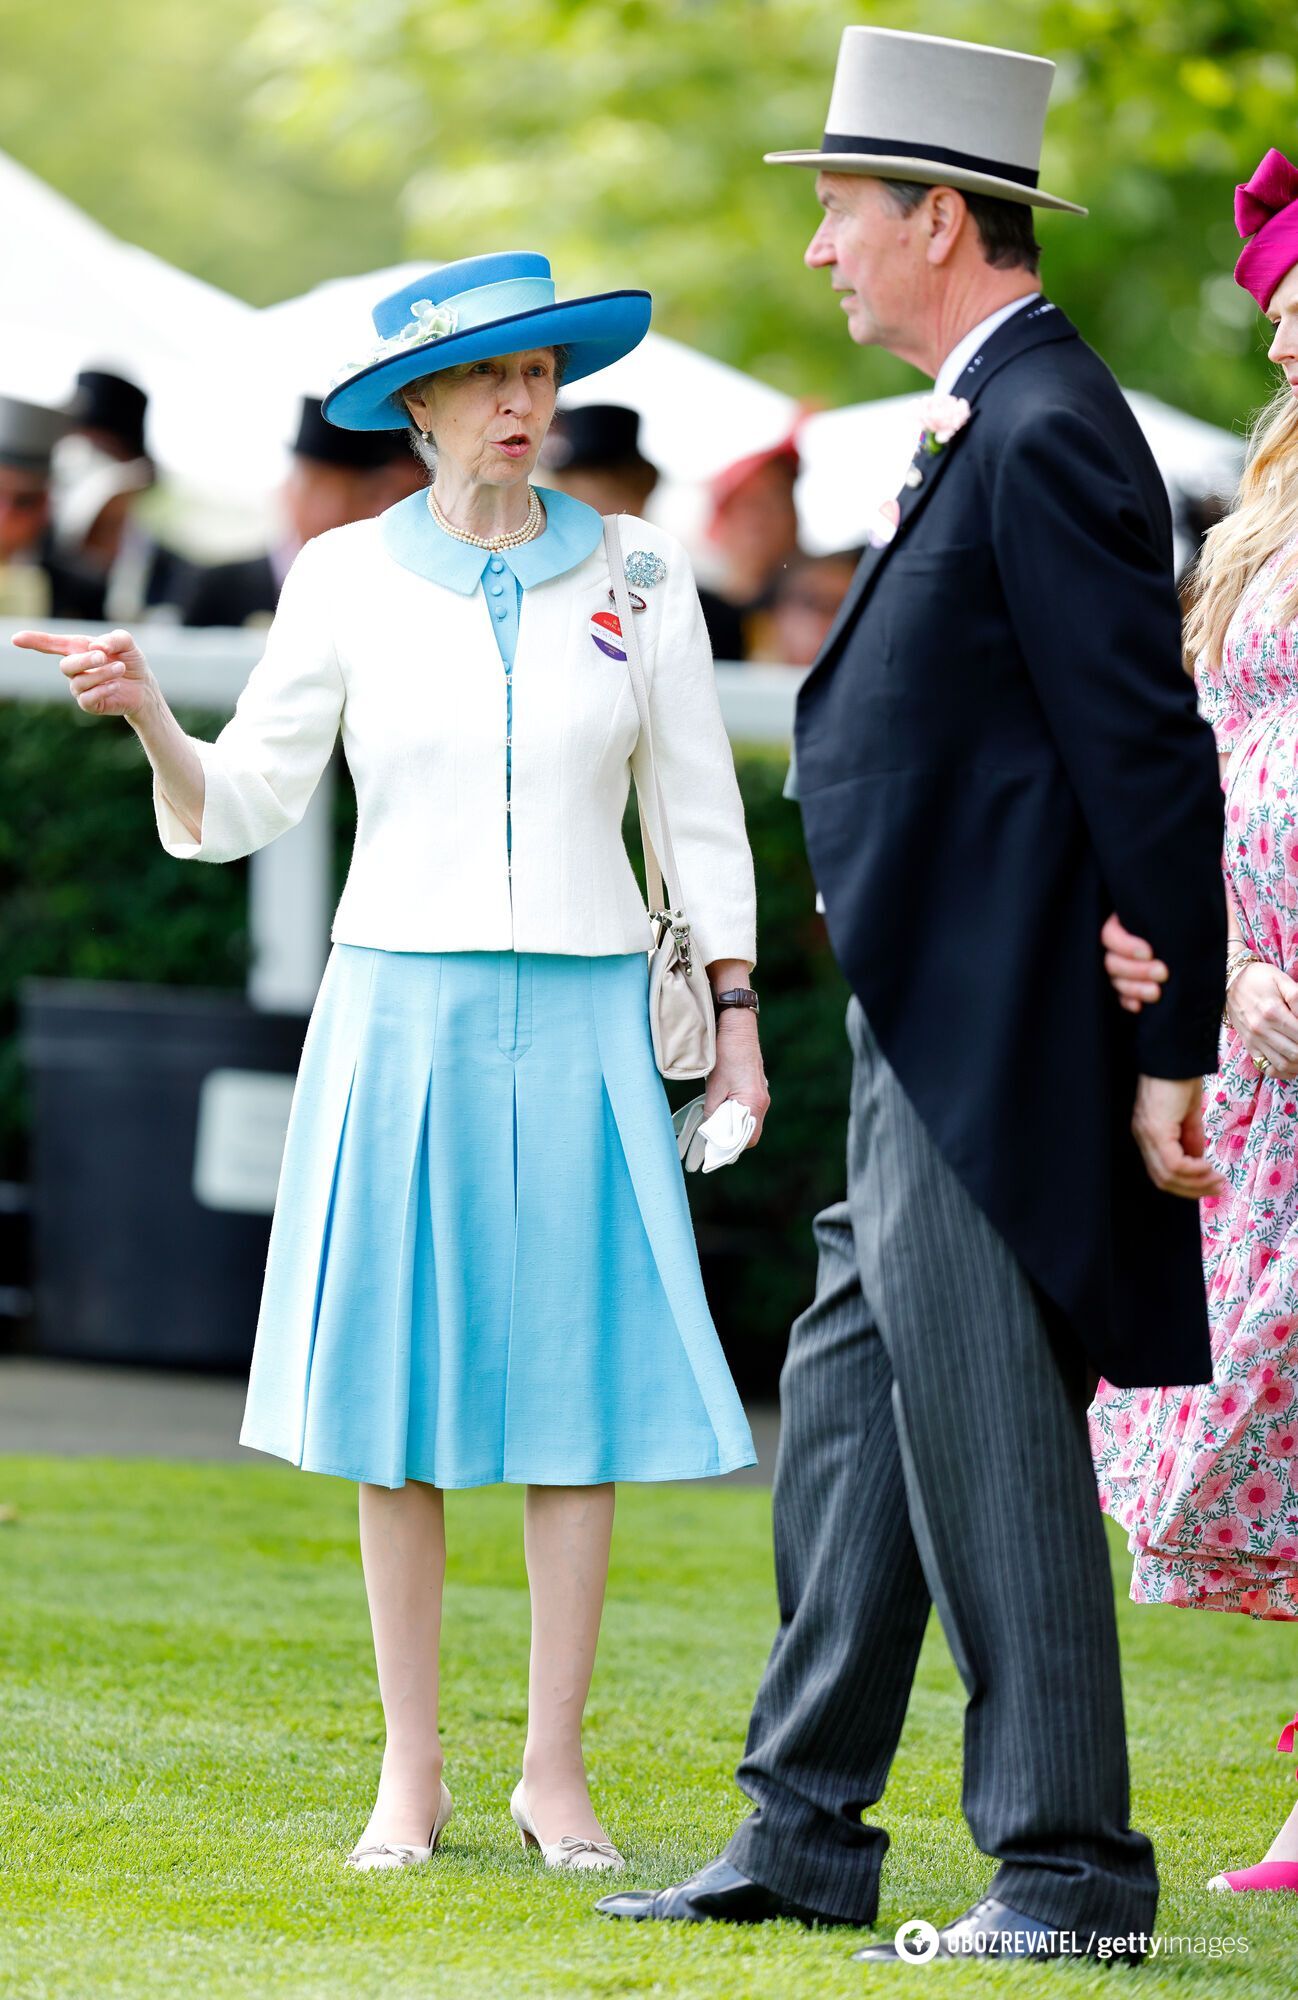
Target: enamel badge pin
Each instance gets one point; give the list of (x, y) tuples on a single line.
[(606, 631)]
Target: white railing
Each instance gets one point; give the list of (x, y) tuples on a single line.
[(290, 883)]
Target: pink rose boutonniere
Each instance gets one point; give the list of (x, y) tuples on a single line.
[(943, 416)]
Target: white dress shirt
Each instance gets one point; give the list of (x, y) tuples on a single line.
[(964, 350), (370, 642)]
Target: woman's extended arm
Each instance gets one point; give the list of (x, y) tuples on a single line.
[(219, 801), (176, 765), (110, 676)]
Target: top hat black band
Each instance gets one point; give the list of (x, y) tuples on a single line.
[(945, 156)]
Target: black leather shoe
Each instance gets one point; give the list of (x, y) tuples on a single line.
[(718, 1894), (991, 1929)]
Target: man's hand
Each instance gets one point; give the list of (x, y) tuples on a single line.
[(1168, 1127), (1136, 975)]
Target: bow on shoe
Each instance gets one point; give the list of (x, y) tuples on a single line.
[(1286, 1744), (571, 1846), (1272, 187)]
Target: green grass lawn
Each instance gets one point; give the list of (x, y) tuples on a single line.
[(191, 1734)]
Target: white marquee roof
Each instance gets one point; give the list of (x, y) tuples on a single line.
[(224, 381)]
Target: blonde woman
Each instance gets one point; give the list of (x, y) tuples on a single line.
[(1205, 1480), (481, 1266)]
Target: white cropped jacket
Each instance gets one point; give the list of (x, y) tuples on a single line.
[(409, 669)]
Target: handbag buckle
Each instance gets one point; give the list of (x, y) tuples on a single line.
[(665, 920)]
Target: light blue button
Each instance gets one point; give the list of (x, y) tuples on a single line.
[(501, 611), (497, 567), (498, 590)]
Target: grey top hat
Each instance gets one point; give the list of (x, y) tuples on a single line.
[(920, 108), (29, 433)]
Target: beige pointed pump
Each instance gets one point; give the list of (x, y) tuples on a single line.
[(569, 1852), (401, 1854)]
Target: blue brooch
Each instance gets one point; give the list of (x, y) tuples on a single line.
[(644, 569)]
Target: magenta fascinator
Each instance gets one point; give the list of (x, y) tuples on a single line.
[(1266, 211)]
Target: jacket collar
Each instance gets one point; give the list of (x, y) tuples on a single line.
[(1036, 326), (977, 338), (412, 537)]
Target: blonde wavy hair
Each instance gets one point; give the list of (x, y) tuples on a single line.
[(1262, 518)]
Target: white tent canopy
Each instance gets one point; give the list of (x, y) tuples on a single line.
[(854, 459), (77, 297), (696, 413), (225, 380)]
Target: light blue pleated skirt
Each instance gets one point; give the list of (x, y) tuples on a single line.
[(482, 1266)]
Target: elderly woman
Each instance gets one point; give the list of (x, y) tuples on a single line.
[(481, 1265)]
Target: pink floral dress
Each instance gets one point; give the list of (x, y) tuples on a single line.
[(1205, 1480)]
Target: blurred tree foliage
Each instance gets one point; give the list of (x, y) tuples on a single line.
[(627, 136), (146, 114), (265, 146)]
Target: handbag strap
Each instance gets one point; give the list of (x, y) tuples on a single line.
[(654, 831)]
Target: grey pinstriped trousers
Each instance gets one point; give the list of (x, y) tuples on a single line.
[(934, 1449)]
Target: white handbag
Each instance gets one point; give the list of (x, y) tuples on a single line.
[(682, 1019)]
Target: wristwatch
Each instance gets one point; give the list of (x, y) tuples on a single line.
[(738, 996)]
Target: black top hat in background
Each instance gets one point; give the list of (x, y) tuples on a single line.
[(107, 402), (594, 434), (359, 451)]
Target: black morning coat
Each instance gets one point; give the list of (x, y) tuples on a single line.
[(997, 746)]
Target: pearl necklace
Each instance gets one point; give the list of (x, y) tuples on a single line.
[(530, 529)]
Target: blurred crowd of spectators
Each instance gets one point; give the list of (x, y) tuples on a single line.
[(73, 545)]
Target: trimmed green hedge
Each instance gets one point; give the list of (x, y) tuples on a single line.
[(86, 892)]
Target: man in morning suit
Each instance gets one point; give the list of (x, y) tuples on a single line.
[(996, 747)]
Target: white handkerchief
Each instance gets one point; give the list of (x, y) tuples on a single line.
[(716, 1142)]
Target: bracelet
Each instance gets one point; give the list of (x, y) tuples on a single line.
[(1237, 957)]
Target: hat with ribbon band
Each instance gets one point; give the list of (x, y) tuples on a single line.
[(471, 311), (1266, 211), (921, 108)]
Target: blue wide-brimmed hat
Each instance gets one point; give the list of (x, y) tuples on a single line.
[(470, 311)]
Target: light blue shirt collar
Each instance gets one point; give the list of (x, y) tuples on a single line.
[(412, 537)]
